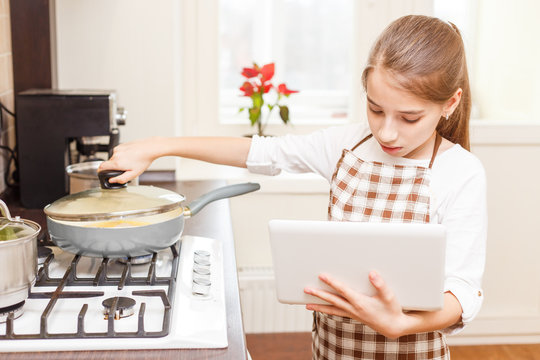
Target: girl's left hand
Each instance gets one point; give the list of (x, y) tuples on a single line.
[(382, 311)]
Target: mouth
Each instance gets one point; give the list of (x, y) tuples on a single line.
[(390, 149)]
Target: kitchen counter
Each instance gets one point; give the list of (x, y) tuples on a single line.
[(213, 222)]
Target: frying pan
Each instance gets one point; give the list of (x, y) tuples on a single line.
[(127, 232)]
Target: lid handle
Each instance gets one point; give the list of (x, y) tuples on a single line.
[(5, 211), (104, 177)]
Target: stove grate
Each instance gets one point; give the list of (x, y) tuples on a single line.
[(70, 278)]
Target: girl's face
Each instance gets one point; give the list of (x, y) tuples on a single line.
[(402, 123)]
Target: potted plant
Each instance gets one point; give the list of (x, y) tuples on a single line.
[(258, 86)]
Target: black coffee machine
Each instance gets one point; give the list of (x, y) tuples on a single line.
[(56, 128)]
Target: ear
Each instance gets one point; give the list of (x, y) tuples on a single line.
[(453, 102)]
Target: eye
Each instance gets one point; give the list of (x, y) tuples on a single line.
[(375, 111), (411, 120)]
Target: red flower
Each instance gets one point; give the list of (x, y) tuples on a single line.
[(267, 72), (259, 83), (267, 86), (247, 88), (250, 72), (282, 89)]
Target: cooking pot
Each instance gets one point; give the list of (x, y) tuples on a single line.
[(84, 176), (118, 221), (18, 257)]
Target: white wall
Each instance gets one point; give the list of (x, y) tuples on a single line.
[(507, 76), (131, 46)]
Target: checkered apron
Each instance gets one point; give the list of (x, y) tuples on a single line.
[(376, 192)]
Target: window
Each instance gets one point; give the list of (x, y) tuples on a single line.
[(310, 43), (319, 47)]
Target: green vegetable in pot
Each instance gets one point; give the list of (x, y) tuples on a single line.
[(14, 231), (9, 233)]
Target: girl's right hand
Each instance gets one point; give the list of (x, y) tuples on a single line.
[(133, 158)]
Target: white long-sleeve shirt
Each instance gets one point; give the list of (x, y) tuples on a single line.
[(458, 195)]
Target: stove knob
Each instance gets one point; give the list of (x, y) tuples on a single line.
[(202, 262), (202, 254), (201, 287), (201, 270), (201, 257), (201, 273)]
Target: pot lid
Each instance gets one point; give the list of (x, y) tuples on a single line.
[(108, 204), (13, 230), (84, 170), (105, 204)]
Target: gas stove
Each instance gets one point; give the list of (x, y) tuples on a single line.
[(175, 299)]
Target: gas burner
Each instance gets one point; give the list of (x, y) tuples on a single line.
[(124, 307), (16, 310), (137, 260), (43, 253)]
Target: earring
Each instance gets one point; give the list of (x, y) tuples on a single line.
[(447, 116)]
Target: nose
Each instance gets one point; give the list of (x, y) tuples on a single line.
[(388, 131)]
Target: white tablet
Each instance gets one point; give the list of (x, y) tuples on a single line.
[(409, 257)]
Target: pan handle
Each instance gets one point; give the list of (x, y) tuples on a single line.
[(220, 193)]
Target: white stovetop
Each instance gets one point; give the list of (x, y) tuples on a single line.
[(196, 322)]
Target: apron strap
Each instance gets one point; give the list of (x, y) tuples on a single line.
[(361, 142), (438, 140)]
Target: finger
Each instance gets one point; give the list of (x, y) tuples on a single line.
[(380, 285), (324, 295), (124, 178), (348, 293), (116, 163), (334, 299), (328, 309), (108, 165)]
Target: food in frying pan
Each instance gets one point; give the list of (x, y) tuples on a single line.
[(117, 224)]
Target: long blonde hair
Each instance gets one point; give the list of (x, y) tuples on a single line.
[(427, 57)]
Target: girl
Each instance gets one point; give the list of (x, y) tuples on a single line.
[(411, 164)]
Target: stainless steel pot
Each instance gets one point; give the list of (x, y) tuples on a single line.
[(18, 257), (84, 176), (126, 222)]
